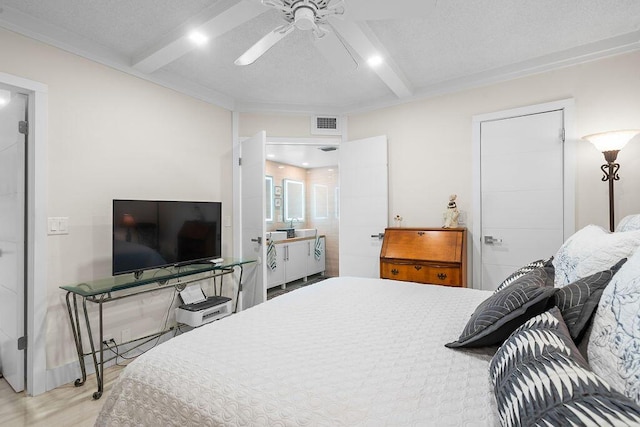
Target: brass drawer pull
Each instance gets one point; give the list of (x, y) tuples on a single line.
[(395, 272), (442, 276), (420, 233), (417, 267)]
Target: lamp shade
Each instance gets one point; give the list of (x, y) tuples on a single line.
[(611, 141)]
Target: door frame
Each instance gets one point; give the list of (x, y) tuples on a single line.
[(569, 172), (36, 242), (237, 140)]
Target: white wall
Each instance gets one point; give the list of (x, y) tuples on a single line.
[(112, 135), (430, 152)]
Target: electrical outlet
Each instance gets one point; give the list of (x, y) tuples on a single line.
[(107, 338), (125, 335)]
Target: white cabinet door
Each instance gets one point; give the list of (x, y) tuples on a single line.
[(275, 277), (296, 261), (315, 265)]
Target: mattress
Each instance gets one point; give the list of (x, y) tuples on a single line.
[(343, 352)]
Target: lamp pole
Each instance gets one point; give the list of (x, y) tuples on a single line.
[(610, 171)]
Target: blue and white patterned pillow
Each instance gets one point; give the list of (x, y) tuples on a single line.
[(629, 223), (614, 343), (590, 250), (540, 379)]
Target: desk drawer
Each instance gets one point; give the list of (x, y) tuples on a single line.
[(422, 273)]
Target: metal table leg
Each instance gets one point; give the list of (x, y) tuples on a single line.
[(98, 366), (235, 310), (77, 337)]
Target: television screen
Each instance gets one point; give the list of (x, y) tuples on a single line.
[(150, 234)]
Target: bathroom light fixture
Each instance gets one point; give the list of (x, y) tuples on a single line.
[(374, 61), (610, 143), (198, 38)]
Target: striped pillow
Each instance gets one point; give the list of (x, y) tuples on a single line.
[(521, 272), (578, 301), (540, 378), (500, 314)]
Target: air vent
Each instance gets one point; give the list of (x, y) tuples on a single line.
[(325, 125)]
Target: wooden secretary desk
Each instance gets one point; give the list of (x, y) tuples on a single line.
[(425, 255)]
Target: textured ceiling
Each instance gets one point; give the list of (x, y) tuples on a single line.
[(429, 46)]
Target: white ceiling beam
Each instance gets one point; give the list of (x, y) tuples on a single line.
[(212, 22), (364, 42)]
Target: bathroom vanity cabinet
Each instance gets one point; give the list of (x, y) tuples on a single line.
[(295, 259)]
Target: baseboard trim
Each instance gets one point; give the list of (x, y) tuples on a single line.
[(70, 372)]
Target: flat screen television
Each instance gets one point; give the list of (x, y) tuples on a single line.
[(151, 234)]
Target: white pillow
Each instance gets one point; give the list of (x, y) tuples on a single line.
[(614, 343), (629, 223), (590, 250)]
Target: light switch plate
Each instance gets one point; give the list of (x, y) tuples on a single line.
[(57, 225)]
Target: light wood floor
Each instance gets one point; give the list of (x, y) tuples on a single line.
[(64, 406)]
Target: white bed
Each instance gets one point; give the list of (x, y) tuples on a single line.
[(345, 351)]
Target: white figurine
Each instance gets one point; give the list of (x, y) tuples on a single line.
[(451, 214)]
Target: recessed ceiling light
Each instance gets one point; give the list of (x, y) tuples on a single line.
[(374, 61), (5, 97), (280, 167), (305, 164), (329, 170), (271, 156), (198, 38)]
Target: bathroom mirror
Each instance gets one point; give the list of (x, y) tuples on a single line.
[(293, 200), (320, 201), (268, 198)]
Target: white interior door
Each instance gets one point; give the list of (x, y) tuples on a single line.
[(522, 185), (252, 206), (12, 235), (364, 205)]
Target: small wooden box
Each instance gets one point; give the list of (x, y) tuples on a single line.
[(425, 255)]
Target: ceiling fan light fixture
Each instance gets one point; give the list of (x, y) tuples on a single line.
[(305, 18), (198, 38), (374, 61)]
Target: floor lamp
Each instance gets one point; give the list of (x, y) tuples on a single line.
[(610, 143)]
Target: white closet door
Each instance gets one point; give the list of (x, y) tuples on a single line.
[(521, 192), (12, 188), (364, 205)]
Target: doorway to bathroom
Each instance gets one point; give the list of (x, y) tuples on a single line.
[(303, 191)]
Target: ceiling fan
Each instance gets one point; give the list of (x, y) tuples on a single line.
[(301, 14)]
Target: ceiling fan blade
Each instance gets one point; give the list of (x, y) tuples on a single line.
[(367, 10), (336, 52), (264, 44)]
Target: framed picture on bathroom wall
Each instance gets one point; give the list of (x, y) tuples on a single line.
[(277, 202), (277, 191)]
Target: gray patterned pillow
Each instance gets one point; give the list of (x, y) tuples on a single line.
[(521, 272), (578, 300), (540, 378), (500, 314)]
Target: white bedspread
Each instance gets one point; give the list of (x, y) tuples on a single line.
[(343, 352)]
